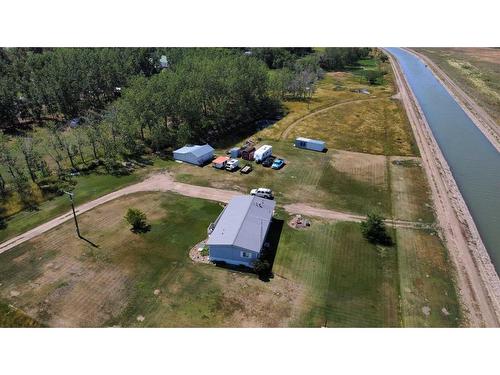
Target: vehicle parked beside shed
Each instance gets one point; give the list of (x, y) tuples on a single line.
[(220, 162), (263, 153), (310, 144), (197, 154), (238, 235)]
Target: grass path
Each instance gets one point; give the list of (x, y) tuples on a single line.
[(289, 128)]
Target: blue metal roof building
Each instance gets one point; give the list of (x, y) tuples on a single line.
[(239, 233), (197, 154)]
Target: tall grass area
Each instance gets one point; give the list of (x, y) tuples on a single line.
[(88, 187)]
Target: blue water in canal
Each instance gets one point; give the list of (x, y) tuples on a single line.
[(474, 162)]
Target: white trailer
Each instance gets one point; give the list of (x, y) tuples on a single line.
[(263, 153)]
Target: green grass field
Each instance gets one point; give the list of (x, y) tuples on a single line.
[(349, 282)]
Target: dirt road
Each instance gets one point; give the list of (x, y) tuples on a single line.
[(157, 182), (477, 280), (478, 115), (164, 182), (303, 209), (289, 128)]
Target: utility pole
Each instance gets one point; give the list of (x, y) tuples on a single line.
[(71, 195)]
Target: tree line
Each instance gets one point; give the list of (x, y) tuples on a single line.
[(62, 83)]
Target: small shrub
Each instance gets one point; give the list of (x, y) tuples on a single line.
[(137, 219), (374, 230)]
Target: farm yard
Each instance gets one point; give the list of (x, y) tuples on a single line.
[(324, 275)]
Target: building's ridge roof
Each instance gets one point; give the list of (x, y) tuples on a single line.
[(241, 223)]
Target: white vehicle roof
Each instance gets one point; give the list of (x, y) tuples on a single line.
[(264, 148)]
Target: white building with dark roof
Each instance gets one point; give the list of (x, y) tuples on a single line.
[(239, 233)]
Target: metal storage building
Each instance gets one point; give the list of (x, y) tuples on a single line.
[(198, 154), (238, 234), (310, 144)]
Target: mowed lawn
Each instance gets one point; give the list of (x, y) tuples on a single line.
[(137, 279), (348, 282)]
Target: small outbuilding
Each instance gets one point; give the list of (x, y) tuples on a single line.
[(238, 235), (220, 162), (197, 154), (310, 144)]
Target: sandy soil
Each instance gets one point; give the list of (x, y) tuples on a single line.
[(477, 114), (477, 280)]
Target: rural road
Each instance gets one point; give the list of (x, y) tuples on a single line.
[(164, 182), (289, 128), (476, 280)]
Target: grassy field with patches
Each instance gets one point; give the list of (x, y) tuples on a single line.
[(62, 281), (411, 196), (428, 296), (335, 88), (475, 70), (372, 126), (325, 275), (308, 177)]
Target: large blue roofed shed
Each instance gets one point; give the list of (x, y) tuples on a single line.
[(197, 154)]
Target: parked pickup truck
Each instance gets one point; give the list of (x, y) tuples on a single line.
[(263, 193)]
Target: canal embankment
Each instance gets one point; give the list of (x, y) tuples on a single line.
[(476, 277)]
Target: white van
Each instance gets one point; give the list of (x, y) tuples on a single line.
[(263, 153)]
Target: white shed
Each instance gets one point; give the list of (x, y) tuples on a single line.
[(197, 154), (310, 144)]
